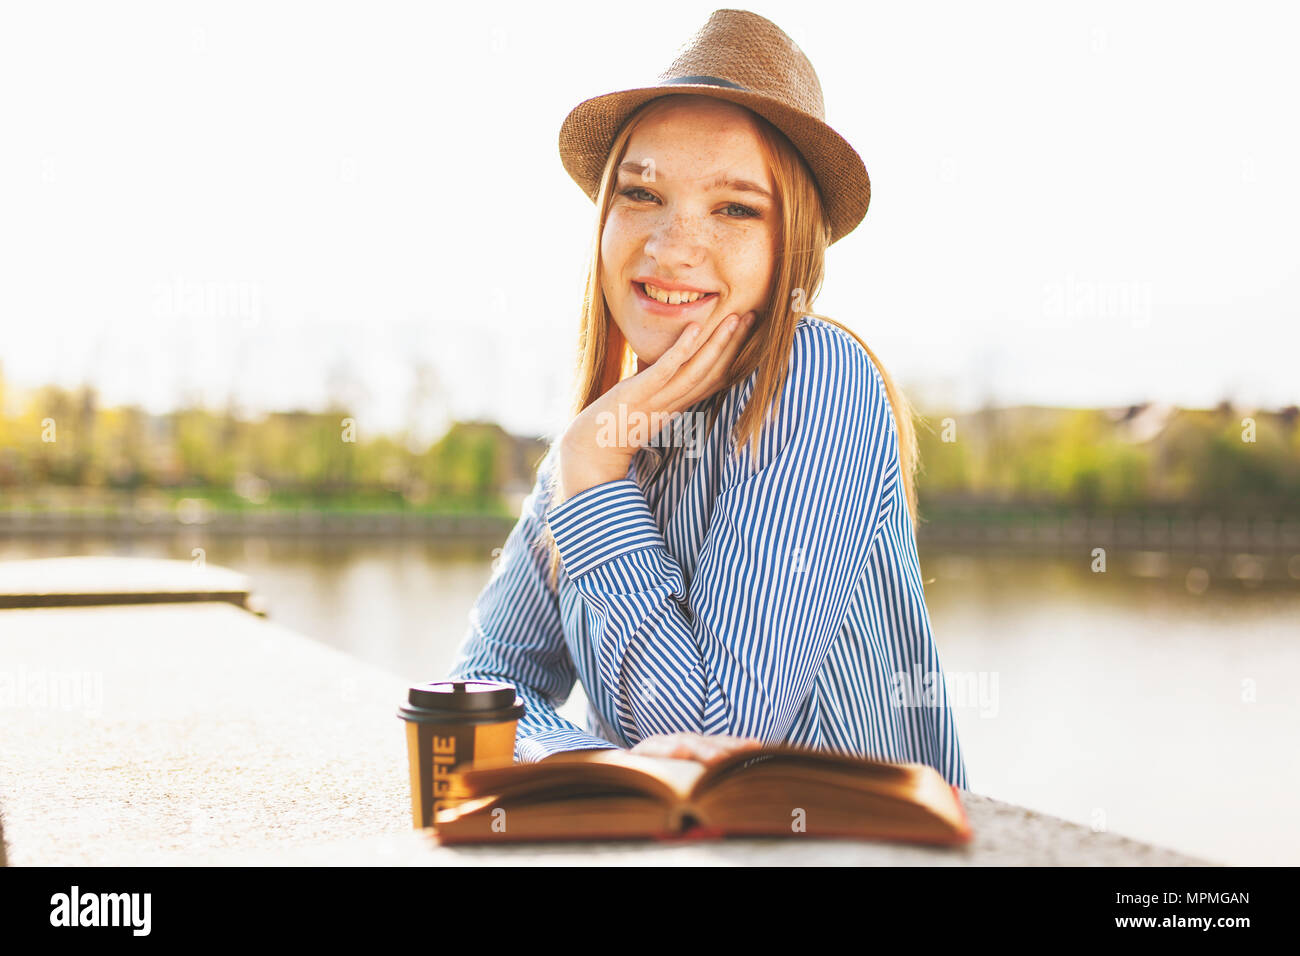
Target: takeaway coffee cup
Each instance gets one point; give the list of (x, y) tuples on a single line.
[(450, 723)]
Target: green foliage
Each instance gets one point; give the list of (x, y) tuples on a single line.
[(1085, 461), (1080, 460), (325, 461)]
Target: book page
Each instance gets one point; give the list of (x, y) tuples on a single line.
[(680, 775), (880, 772)]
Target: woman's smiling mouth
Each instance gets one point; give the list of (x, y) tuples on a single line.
[(665, 302)]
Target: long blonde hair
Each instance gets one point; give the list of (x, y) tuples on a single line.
[(604, 357)]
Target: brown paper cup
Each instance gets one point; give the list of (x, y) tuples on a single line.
[(452, 725)]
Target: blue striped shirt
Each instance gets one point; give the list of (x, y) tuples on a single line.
[(700, 594)]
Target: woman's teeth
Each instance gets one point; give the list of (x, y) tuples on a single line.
[(671, 298)]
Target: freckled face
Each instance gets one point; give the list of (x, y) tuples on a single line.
[(681, 213)]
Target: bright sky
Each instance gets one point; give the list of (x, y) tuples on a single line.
[(1073, 203)]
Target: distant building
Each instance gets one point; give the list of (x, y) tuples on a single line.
[(516, 457)]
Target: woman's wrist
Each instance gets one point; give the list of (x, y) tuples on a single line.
[(580, 469)]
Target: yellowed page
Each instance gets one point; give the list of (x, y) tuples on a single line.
[(678, 774), (669, 777)]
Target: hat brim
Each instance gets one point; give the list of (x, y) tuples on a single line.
[(589, 130)]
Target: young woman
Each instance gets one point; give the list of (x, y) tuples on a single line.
[(720, 544)]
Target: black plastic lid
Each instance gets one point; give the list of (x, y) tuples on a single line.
[(462, 701)]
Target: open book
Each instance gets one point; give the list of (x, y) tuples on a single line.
[(770, 791)]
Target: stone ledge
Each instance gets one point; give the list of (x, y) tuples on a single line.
[(200, 734), (93, 580)]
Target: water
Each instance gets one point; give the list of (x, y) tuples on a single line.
[(1157, 708)]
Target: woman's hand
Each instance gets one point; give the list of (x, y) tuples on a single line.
[(706, 748), (692, 369)]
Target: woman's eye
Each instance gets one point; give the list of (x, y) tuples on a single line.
[(745, 212)]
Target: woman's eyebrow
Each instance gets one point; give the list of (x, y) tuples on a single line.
[(723, 181)]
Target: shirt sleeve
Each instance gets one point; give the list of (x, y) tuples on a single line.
[(736, 650), (516, 636)]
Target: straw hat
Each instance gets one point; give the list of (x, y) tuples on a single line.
[(746, 59)]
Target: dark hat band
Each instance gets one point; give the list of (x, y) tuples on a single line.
[(706, 81)]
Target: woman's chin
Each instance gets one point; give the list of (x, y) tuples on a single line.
[(656, 342), (650, 347), (647, 358)]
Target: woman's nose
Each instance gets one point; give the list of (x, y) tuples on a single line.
[(678, 237)]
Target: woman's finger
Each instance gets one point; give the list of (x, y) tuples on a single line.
[(692, 374), (665, 745), (713, 747), (706, 356), (721, 367), (692, 338), (700, 749)]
